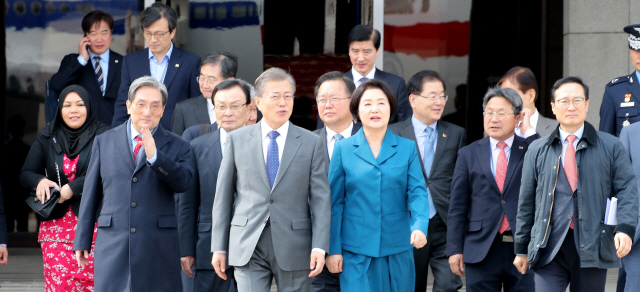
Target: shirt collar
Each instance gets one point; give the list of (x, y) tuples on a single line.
[(283, 130), (167, 55), (104, 56), (419, 126), (494, 142), (345, 134), (357, 76), (578, 133), (638, 76)]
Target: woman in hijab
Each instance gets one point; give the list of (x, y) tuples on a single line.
[(59, 159)]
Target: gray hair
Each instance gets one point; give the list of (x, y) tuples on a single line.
[(252, 90), (273, 74), (228, 63), (507, 93), (150, 82)]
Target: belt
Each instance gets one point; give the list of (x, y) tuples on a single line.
[(507, 236)]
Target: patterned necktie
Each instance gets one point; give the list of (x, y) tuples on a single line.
[(570, 167), (99, 73), (137, 148), (273, 161), (427, 161), (501, 174)]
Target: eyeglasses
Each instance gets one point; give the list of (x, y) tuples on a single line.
[(501, 116), (578, 101), (205, 80), (233, 107), (152, 107), (274, 98), (158, 35), (333, 100), (434, 97)]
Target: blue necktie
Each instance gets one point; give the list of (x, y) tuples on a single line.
[(99, 76), (338, 137), (363, 80), (428, 161), (273, 161)]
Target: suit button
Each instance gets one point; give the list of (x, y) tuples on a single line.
[(582, 246), (135, 179), (271, 201), (133, 204), (503, 202), (133, 230), (580, 218)]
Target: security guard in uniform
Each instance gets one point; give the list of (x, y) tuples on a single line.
[(621, 101)]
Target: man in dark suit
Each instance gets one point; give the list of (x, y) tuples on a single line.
[(621, 101), (177, 69), (438, 144), (215, 68), (231, 99), (4, 254), (333, 95), (134, 173), (484, 199), (102, 78)]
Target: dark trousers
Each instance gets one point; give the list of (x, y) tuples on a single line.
[(326, 282), (435, 254), (497, 272), (208, 281), (565, 269)]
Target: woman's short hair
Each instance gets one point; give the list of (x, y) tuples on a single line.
[(373, 84)]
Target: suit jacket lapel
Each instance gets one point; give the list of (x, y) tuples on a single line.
[(348, 74), (356, 128), (363, 150), (291, 146), (201, 110), (113, 68), (323, 137), (216, 148), (380, 75), (124, 144), (255, 142), (174, 66), (517, 151), (441, 144), (483, 153), (83, 157), (144, 66), (388, 147)]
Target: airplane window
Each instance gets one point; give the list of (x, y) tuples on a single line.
[(36, 7), (239, 11), (19, 7), (221, 12), (200, 12), (251, 11), (65, 7), (84, 8), (51, 8)]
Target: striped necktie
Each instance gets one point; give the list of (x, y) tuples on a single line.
[(99, 76)]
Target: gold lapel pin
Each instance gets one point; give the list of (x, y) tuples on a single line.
[(627, 97)]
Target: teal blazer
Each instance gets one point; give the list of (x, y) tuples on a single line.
[(369, 196)]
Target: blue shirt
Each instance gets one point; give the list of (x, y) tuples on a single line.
[(133, 133), (159, 70), (104, 65), (565, 143), (421, 135)]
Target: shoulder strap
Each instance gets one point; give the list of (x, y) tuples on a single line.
[(204, 129)]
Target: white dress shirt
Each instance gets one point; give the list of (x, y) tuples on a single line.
[(357, 76), (223, 139), (331, 141), (211, 111), (533, 121)]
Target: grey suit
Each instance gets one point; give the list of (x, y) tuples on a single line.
[(298, 207), (449, 140), (545, 125), (190, 112)]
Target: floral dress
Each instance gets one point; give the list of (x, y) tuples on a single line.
[(61, 270)]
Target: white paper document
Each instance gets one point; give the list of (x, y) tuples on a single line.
[(610, 217)]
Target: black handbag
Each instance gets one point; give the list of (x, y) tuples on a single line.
[(45, 209)]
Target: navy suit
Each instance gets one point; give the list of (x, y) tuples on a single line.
[(137, 246), (194, 131), (195, 212), (612, 113), (72, 72), (629, 279), (476, 210), (180, 80)]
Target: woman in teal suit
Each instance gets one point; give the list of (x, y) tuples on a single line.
[(374, 175)]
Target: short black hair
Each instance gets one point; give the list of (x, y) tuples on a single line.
[(362, 33), (227, 84), (335, 75), (156, 11), (228, 63), (414, 86), (373, 84), (566, 80), (523, 78), (93, 18)]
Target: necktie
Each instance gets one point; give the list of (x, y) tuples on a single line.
[(99, 73), (338, 137), (501, 174), (137, 148), (427, 154), (273, 160), (363, 80), (570, 167)]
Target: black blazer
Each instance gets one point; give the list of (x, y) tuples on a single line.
[(3, 220), (194, 131), (43, 156), (449, 141), (477, 206), (323, 136), (194, 221), (190, 112), (180, 80), (71, 72)]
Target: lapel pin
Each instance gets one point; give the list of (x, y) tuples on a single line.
[(521, 147), (116, 61), (444, 135), (177, 65), (627, 97)]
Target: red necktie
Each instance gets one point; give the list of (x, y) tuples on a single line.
[(570, 166), (501, 174), (137, 148)]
